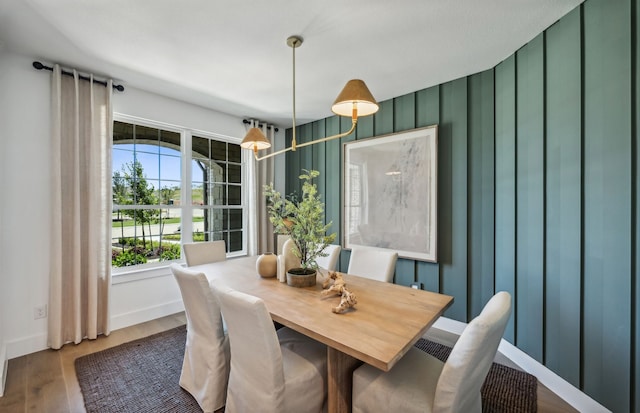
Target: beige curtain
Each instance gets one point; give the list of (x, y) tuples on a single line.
[(80, 270), (264, 173)]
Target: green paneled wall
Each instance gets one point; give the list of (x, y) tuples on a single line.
[(452, 195), (530, 169), (563, 198), (481, 190), (607, 201), (505, 184), (538, 185)]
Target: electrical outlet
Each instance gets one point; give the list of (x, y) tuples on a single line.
[(40, 312), (416, 286)]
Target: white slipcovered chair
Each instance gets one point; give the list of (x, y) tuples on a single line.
[(329, 262), (197, 253), (420, 382), (205, 368), (374, 263), (271, 371)]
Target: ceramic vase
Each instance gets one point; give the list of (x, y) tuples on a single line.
[(290, 259), (267, 264)]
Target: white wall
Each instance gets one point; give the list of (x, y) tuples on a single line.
[(24, 143), (25, 225), (3, 240)]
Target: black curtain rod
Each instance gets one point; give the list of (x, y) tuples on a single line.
[(247, 121), (40, 66)]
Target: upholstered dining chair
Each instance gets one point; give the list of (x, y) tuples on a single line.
[(205, 368), (197, 253), (375, 263), (420, 382), (271, 371), (329, 262)]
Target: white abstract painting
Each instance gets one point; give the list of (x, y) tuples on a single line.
[(390, 193)]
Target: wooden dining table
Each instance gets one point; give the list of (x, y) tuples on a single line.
[(385, 323)]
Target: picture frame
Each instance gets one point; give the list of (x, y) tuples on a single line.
[(390, 188)]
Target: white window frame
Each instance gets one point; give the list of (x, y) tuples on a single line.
[(159, 268)]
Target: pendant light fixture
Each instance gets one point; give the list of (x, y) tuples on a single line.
[(355, 100)]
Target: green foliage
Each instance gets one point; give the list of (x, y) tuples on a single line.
[(308, 230), (169, 252), (127, 257)]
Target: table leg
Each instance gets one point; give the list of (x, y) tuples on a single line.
[(340, 367)]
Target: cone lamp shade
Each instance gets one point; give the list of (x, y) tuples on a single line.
[(355, 95), (255, 140)]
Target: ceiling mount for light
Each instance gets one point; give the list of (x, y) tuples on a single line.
[(355, 100)]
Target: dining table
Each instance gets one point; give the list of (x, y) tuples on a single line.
[(386, 322)]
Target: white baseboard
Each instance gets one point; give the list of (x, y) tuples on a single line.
[(555, 383), (26, 345), (38, 342), (145, 314), (5, 364)]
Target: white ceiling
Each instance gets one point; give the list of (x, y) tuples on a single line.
[(232, 56)]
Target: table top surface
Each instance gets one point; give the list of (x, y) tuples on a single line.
[(386, 321)]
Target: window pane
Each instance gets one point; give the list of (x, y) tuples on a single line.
[(218, 172), (235, 173), (170, 167), (235, 219), (235, 195), (197, 191), (235, 241), (122, 132), (199, 170), (150, 164), (217, 195), (169, 193), (170, 140), (200, 147), (219, 150), (234, 153), (146, 135)]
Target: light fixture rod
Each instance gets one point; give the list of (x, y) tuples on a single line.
[(294, 42), (290, 148)]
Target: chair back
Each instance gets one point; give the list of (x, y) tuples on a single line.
[(374, 263), (257, 375), (458, 388), (197, 253), (329, 262), (205, 368), (200, 305)]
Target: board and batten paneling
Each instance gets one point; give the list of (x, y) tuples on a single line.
[(505, 185), (452, 195), (530, 196), (481, 189), (427, 114), (563, 198), (538, 187), (607, 202)]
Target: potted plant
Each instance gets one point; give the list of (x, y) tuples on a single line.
[(306, 227)]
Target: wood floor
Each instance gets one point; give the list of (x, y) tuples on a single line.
[(46, 381)]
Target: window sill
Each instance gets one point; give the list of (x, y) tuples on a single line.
[(124, 275)]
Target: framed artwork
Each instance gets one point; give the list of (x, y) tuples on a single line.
[(390, 186)]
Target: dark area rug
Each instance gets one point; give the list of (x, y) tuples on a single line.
[(139, 376), (143, 375), (504, 390)]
